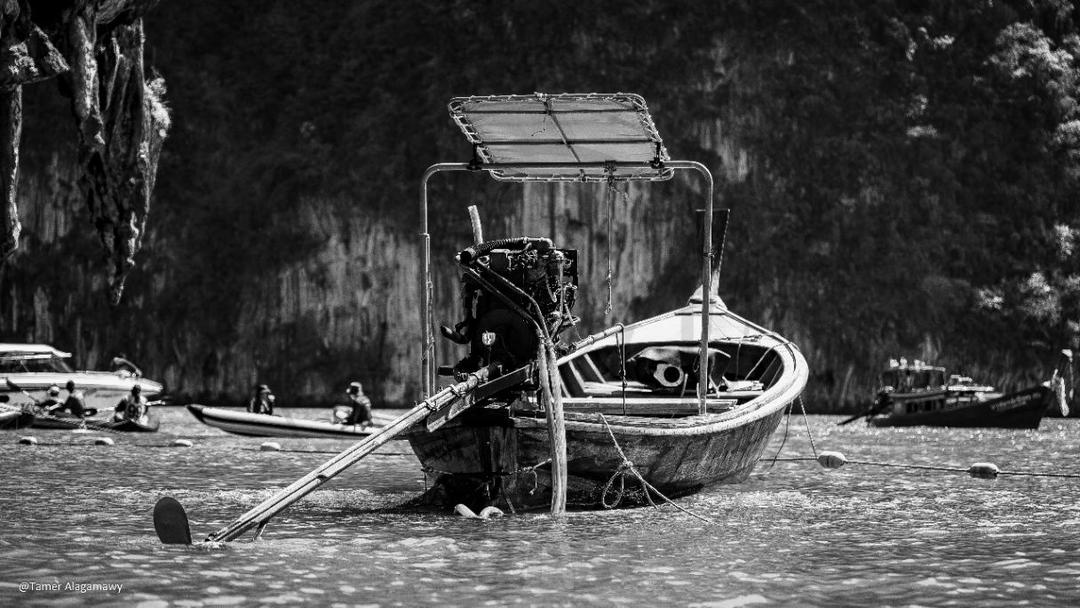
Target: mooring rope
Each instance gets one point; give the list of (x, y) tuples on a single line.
[(628, 465), (923, 467), (610, 236), (806, 421), (835, 460)]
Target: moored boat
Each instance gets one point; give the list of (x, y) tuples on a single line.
[(29, 370), (674, 403), (240, 422), (917, 394)]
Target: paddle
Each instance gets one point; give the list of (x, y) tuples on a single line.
[(172, 517), (853, 418), (16, 387), (171, 522)]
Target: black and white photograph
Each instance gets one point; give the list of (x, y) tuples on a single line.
[(716, 304)]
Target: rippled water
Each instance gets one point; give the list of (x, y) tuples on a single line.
[(72, 514)]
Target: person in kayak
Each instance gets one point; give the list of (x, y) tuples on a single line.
[(133, 406), (52, 405), (76, 401), (262, 402), (361, 406)]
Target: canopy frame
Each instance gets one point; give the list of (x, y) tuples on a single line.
[(652, 164)]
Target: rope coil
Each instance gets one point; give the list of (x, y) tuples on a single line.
[(628, 465)]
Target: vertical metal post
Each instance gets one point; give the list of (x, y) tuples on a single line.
[(706, 277), (426, 379), (427, 348)]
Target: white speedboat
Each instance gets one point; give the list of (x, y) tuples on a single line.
[(28, 370)]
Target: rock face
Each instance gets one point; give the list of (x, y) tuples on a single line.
[(95, 51)]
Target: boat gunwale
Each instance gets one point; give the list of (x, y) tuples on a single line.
[(774, 398)]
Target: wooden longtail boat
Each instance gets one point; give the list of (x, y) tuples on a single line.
[(917, 394), (636, 404)]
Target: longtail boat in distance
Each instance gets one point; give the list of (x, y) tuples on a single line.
[(917, 394)]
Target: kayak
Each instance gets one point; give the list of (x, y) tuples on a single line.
[(64, 420), (148, 423), (240, 422)]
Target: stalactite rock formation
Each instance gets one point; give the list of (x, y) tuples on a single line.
[(26, 56), (120, 115)]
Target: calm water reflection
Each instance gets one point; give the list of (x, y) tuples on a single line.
[(794, 534)]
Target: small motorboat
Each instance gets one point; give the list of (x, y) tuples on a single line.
[(917, 394), (240, 422)]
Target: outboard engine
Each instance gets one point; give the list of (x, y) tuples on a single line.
[(508, 288)]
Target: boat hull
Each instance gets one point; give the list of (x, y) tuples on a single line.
[(1023, 409), (260, 425), (480, 461)]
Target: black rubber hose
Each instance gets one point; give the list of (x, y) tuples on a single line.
[(521, 242)]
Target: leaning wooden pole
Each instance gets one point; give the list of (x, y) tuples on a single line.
[(261, 513)]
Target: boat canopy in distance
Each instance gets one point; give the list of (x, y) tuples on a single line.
[(565, 137)]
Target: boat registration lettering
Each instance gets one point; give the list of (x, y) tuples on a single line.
[(1012, 404)]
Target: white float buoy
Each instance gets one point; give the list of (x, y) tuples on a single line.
[(103, 441), (182, 443), (485, 513), (831, 460), (984, 470), (28, 440), (270, 446)]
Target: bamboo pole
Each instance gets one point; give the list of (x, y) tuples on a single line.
[(556, 428), (261, 513)]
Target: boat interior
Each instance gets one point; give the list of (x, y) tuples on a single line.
[(661, 379)]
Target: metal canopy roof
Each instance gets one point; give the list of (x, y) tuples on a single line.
[(566, 137)]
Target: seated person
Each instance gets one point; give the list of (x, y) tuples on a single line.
[(361, 406), (262, 402), (52, 405), (76, 402), (133, 406)]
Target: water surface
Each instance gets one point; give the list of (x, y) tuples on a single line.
[(73, 514)]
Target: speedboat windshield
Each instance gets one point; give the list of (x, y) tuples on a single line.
[(19, 363)]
